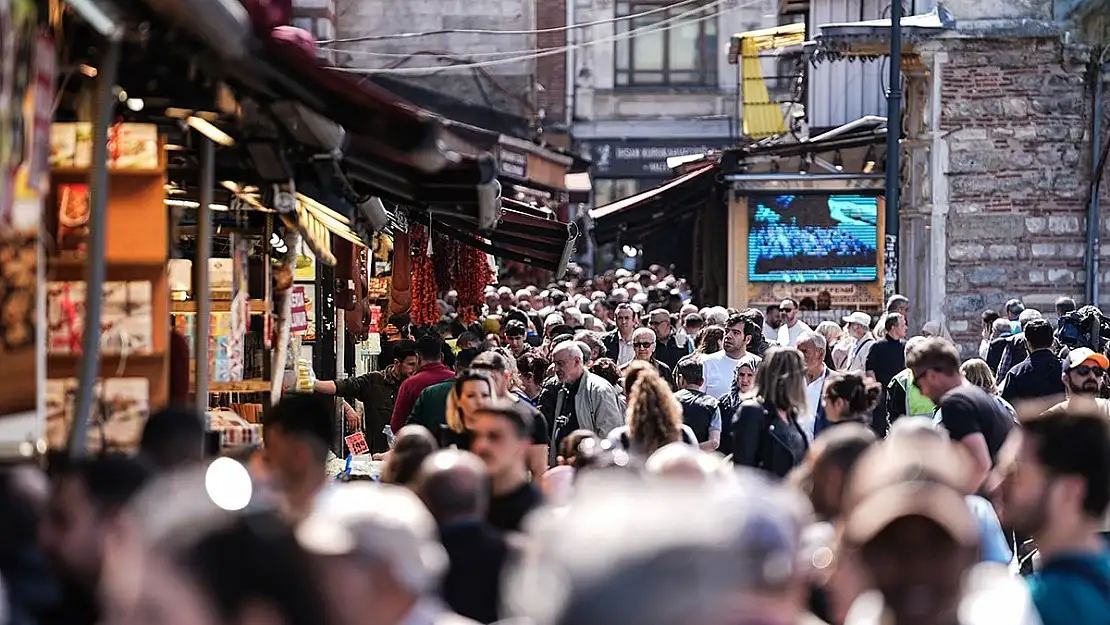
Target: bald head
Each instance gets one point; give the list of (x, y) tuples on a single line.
[(454, 485)]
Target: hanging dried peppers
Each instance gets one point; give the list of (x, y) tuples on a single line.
[(471, 281), (425, 292), (452, 265)]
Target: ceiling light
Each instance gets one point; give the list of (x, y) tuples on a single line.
[(804, 167), (135, 104), (208, 129), (869, 160), (838, 161), (87, 70)]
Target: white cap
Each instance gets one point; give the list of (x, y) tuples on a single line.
[(381, 521), (859, 317)]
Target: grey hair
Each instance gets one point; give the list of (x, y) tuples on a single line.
[(913, 342), (917, 426), (815, 338)]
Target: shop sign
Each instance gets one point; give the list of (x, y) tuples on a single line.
[(643, 158), (513, 163), (298, 318)]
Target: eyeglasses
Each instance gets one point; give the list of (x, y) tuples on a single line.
[(787, 310), (642, 345), (1088, 370), (655, 324)]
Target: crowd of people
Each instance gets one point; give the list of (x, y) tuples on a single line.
[(607, 452)]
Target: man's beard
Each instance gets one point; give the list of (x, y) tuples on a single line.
[(1088, 387)]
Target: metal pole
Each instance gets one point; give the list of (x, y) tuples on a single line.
[(894, 127), (96, 267), (201, 296)]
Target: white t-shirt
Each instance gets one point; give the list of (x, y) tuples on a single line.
[(720, 371), (814, 391), (789, 336)]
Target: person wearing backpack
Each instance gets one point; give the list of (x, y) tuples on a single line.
[(1056, 489)]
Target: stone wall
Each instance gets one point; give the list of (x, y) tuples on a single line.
[(1017, 117)]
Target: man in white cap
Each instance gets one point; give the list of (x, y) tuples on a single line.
[(859, 328), (380, 557), (1084, 371)]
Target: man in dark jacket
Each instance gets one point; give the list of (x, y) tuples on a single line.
[(1038, 375), (377, 390), (1016, 348), (667, 350), (454, 486), (700, 412)]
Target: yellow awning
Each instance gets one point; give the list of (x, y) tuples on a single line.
[(317, 223), (763, 117)]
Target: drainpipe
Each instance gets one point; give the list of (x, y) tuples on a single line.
[(894, 127), (1093, 216), (570, 87)]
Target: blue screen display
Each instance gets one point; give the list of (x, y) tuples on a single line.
[(813, 238)]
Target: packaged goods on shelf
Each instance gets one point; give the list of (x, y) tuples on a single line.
[(126, 317), (121, 408)]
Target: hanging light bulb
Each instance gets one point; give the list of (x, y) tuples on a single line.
[(869, 160), (838, 161), (804, 167)]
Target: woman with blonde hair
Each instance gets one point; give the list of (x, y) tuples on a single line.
[(765, 431), (832, 333), (653, 417), (472, 390), (978, 373)]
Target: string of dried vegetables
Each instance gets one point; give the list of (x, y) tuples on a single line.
[(473, 274), (425, 291)]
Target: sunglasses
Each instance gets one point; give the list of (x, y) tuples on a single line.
[(787, 310), (642, 345), (1088, 370)]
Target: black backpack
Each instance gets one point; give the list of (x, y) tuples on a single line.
[(1086, 327)]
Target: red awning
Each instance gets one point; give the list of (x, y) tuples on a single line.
[(647, 196)]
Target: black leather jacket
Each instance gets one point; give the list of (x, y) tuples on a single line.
[(762, 440)]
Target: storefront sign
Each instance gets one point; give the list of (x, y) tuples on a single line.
[(643, 158), (513, 163), (298, 318)]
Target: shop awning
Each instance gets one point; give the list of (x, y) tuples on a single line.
[(317, 224), (870, 39), (520, 236), (653, 209)]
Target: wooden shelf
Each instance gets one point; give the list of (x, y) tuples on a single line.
[(71, 268), (68, 365), (258, 306), (246, 386), (81, 174)]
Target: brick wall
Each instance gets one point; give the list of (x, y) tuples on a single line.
[(1017, 117), (551, 70)]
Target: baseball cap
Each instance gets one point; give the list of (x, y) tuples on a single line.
[(1079, 356), (382, 522), (859, 317), (911, 477)]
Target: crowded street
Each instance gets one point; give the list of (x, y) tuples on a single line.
[(574, 312)]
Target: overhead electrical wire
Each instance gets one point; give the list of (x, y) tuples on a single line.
[(671, 23), (483, 31)]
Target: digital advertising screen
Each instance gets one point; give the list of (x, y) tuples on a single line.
[(813, 238)]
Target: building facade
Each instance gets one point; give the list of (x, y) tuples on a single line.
[(638, 97), (1003, 124), (505, 73)]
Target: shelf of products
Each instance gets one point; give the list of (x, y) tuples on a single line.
[(258, 307)]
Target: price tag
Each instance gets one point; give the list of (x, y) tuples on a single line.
[(356, 444)]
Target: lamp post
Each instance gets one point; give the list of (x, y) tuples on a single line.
[(894, 129)]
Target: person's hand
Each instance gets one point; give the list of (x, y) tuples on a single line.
[(354, 423)]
